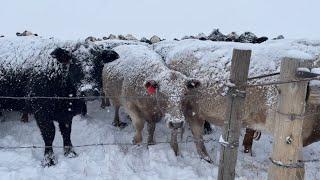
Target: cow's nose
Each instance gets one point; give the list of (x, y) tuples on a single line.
[(176, 125)]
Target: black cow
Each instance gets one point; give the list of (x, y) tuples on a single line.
[(64, 84), (63, 76)]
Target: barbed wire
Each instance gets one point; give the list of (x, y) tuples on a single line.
[(88, 97), (279, 82), (146, 97), (263, 76), (298, 164), (103, 144)]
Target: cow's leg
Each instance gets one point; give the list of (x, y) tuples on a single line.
[(116, 120), (207, 128), (104, 101), (24, 117), (151, 128), (197, 131), (107, 102), (174, 141), (84, 109), (137, 121), (65, 124), (138, 124), (248, 140), (1, 116), (47, 129)]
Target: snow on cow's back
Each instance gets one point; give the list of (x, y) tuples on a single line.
[(211, 61), (138, 64), (112, 43), (136, 60), (29, 52)]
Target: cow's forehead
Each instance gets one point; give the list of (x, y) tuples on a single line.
[(173, 84)]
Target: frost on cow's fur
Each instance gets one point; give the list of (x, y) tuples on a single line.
[(140, 61), (128, 75), (33, 53), (210, 62)]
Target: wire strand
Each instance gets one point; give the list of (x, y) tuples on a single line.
[(99, 144)]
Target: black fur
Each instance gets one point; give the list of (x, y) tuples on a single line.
[(62, 55), (100, 58), (260, 40), (191, 84), (62, 81), (107, 56)]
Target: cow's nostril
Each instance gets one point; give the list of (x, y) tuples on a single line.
[(177, 125)]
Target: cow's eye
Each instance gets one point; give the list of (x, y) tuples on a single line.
[(192, 84)]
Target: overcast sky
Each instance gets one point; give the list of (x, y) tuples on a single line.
[(73, 19)]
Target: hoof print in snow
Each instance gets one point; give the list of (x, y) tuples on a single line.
[(49, 160)]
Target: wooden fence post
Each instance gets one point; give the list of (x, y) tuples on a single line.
[(232, 124), (287, 133)]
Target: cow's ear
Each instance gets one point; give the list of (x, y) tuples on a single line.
[(108, 56), (193, 83), (151, 86), (62, 55)]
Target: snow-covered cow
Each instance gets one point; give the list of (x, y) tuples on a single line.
[(148, 90), (210, 62), (26, 33), (96, 73), (36, 67)]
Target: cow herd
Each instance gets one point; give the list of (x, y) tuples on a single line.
[(133, 75)]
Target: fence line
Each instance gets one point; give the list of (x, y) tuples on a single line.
[(264, 76), (280, 82), (147, 97), (104, 144)]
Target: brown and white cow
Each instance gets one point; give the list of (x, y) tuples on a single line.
[(147, 89), (205, 61)]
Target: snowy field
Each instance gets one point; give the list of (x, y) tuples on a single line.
[(124, 161)]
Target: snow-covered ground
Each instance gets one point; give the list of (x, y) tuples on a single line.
[(124, 161)]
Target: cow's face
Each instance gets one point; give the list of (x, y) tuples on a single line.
[(70, 67), (170, 90), (84, 66), (93, 66), (99, 58), (62, 55)]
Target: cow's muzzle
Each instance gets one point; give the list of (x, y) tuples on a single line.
[(175, 125)]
